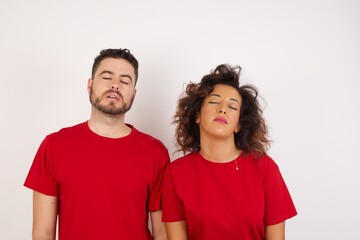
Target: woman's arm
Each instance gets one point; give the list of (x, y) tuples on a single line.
[(158, 228), (176, 230), (276, 232)]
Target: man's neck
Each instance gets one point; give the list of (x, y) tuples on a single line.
[(108, 125)]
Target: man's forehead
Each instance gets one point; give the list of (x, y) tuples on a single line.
[(116, 64)]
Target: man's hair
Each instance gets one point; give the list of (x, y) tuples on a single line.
[(121, 53), (252, 136)]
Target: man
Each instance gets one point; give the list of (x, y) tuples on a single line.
[(101, 177)]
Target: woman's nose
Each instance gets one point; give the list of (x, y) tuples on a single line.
[(222, 110)]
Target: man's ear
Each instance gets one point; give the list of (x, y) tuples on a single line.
[(89, 84)]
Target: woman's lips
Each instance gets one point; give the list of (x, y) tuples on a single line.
[(220, 120)]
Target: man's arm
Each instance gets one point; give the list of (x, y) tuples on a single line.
[(158, 228), (176, 230), (44, 216), (276, 232)]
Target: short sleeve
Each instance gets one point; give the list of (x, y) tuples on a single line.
[(173, 208), (41, 174), (156, 189), (278, 202)]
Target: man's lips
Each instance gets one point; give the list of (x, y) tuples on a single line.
[(113, 95), (220, 120)]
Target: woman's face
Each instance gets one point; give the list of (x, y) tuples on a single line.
[(220, 113)]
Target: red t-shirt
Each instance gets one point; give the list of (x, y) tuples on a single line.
[(219, 202), (105, 186)]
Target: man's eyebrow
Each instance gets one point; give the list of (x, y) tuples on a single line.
[(127, 76), (106, 71), (111, 73)]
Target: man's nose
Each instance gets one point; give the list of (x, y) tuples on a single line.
[(114, 85)]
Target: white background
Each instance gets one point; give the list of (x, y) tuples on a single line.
[(304, 56)]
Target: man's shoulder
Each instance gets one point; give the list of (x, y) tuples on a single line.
[(146, 138), (67, 132)]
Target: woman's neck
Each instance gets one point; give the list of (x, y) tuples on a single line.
[(219, 150)]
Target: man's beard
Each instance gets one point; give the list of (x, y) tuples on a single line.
[(111, 108)]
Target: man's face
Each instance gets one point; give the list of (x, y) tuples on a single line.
[(112, 90)]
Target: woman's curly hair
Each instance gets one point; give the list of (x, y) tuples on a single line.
[(252, 136)]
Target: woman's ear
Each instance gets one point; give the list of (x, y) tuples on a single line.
[(197, 120), (237, 128)]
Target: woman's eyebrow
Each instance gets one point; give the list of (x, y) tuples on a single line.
[(214, 94), (233, 99), (218, 95)]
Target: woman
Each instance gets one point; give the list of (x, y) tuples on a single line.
[(226, 187)]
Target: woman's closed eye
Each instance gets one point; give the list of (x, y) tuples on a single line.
[(213, 102)]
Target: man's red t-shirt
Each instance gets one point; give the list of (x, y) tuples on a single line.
[(219, 202), (105, 186)]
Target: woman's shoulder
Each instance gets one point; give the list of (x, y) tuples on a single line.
[(263, 161), (184, 162)]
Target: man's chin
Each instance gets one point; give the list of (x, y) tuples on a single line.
[(112, 111)]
